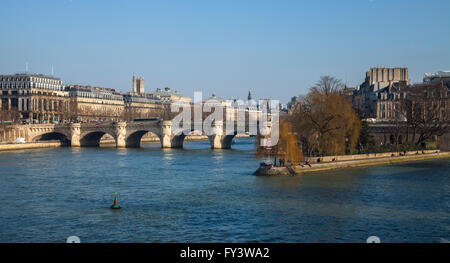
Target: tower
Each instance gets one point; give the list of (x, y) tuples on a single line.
[(138, 85), (249, 95), (134, 84)]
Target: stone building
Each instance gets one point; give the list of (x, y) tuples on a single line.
[(432, 91), (95, 103), (427, 109), (366, 96), (382, 77), (141, 106), (37, 98), (388, 100), (441, 76), (434, 94)]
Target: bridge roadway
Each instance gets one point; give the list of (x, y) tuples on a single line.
[(129, 134)]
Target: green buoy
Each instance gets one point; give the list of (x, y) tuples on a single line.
[(116, 204)]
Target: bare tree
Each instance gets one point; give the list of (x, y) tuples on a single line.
[(427, 112), (11, 115), (328, 85), (72, 113)]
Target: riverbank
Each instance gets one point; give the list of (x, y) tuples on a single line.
[(353, 162), (32, 145)]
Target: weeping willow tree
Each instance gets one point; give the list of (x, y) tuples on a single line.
[(326, 120), (287, 148)]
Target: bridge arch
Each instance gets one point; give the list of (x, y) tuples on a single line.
[(178, 138), (216, 141), (92, 138), (134, 139), (55, 135), (228, 140)]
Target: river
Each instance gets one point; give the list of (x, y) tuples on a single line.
[(201, 195)]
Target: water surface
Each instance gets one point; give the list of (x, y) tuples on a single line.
[(201, 195)]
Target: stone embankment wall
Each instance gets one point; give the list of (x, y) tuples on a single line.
[(354, 161), (10, 133), (34, 145), (363, 156), (371, 162)]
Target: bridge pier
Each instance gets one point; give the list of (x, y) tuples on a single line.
[(75, 132), (168, 141), (121, 132), (221, 141), (218, 139), (215, 141), (166, 138)]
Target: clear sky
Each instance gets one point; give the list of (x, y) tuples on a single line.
[(277, 48)]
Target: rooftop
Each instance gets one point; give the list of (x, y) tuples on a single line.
[(89, 88), (166, 92), (30, 75)]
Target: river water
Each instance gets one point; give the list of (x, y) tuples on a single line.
[(201, 195)]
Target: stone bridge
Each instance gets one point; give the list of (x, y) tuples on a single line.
[(127, 134)]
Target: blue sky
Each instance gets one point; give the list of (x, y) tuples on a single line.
[(277, 49)]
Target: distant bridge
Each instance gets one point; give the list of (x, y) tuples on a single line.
[(126, 134)]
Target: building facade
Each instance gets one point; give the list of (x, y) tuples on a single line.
[(141, 106), (36, 98), (407, 113), (434, 95), (389, 100), (378, 85), (95, 104)]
